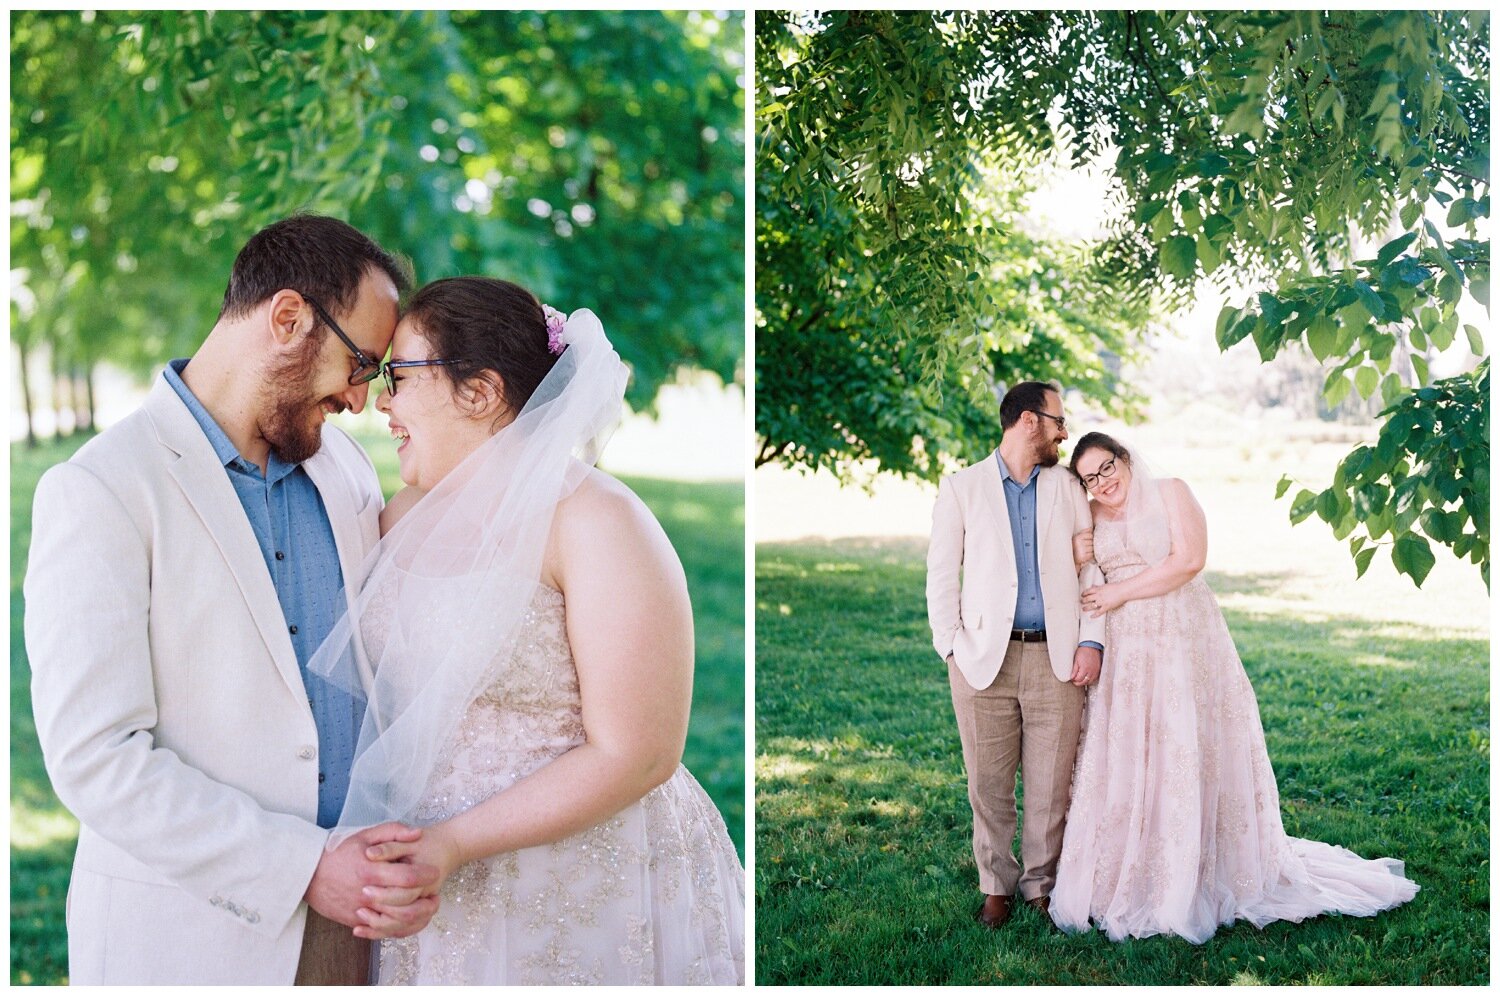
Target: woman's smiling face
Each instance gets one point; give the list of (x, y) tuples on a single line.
[(1106, 476), (433, 432)]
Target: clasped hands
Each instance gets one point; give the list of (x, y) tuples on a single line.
[(383, 881)]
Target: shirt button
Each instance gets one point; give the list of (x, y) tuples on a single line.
[(280, 555), (294, 630), (307, 753), (322, 778)]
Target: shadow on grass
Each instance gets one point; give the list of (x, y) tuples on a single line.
[(864, 874)]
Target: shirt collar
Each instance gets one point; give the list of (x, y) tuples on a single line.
[(1005, 472), (224, 449)]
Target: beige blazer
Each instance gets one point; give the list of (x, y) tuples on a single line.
[(170, 708), (971, 615)]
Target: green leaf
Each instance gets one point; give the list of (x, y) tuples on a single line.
[(1282, 485), (1335, 390), (1271, 309), (1410, 213), (1179, 256), (1480, 289), (1413, 557), (1476, 341), (1303, 505), (1362, 561), (1328, 505), (1371, 300), (1394, 248), (1322, 336), (1461, 212), (1366, 379), (1208, 255)]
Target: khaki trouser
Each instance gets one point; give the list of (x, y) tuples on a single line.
[(1029, 719), (332, 955)]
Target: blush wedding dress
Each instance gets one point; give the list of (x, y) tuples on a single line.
[(653, 895), (1175, 820)]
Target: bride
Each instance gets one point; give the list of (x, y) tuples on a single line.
[(525, 642), (1175, 823)]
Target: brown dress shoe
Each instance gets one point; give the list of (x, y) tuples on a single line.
[(1042, 904), (994, 912)]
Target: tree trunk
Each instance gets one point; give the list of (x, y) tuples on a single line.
[(26, 399), (88, 383), (81, 382), (59, 382)]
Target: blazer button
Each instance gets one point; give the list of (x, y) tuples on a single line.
[(252, 917), (307, 753)]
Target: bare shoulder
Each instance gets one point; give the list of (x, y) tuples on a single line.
[(400, 503), (1175, 489), (603, 523), (602, 505), (1179, 498)]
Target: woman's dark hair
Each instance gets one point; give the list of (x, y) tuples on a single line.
[(480, 323), (1098, 441), (321, 258), (1027, 396)]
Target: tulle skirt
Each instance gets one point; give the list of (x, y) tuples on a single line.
[(1175, 820), (652, 896)]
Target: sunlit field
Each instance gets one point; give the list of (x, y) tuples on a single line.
[(1374, 696)]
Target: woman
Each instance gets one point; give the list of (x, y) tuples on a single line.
[(1175, 822), (525, 639)]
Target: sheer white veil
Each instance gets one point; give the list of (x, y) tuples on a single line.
[(442, 597), (1144, 515)]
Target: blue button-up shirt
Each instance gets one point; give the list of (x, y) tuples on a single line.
[(1020, 503), (291, 525)]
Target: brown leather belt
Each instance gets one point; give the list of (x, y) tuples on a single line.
[(1029, 635)]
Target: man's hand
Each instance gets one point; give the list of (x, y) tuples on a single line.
[(1083, 547), (1086, 664), (383, 905), (338, 883)]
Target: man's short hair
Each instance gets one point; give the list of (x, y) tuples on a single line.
[(321, 258), (1027, 396)]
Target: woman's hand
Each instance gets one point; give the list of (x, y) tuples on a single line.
[(437, 848), (1103, 598), (1083, 547)]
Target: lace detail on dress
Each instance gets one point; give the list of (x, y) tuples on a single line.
[(1175, 825), (655, 894)]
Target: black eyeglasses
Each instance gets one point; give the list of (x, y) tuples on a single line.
[(369, 366), (390, 380), (1106, 469), (1062, 423)]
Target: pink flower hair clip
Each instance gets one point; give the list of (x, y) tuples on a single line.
[(555, 322)]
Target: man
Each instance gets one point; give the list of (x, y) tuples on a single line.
[(184, 566), (1017, 527)]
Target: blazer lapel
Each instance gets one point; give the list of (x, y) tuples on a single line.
[(1047, 490), (206, 486), (339, 500), (994, 497)]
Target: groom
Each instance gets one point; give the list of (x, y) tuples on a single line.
[(184, 566), (1016, 527)]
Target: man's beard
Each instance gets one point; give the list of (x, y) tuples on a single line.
[(293, 423), (1046, 453)]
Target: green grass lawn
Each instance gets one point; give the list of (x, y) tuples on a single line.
[(1378, 732), (706, 525)]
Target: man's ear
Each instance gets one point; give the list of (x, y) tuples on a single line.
[(288, 317)]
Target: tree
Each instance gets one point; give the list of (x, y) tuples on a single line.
[(895, 283), (1258, 148), (595, 157)]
